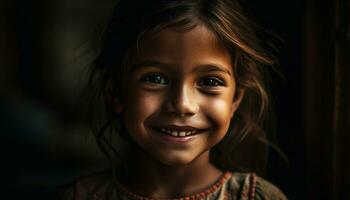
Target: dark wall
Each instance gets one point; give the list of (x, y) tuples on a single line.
[(285, 18)]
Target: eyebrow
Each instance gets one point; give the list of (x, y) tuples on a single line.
[(211, 67)]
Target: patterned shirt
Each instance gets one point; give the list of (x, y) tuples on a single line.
[(231, 186)]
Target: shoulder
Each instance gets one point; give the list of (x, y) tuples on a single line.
[(254, 187), (93, 186), (266, 190)]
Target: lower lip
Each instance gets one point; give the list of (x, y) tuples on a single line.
[(176, 139)]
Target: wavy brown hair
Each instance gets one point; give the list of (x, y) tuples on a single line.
[(245, 145)]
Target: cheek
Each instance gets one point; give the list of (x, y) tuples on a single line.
[(139, 107), (218, 112), (221, 113)]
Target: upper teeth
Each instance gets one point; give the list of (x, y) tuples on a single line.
[(178, 133)]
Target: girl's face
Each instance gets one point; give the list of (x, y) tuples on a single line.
[(179, 95)]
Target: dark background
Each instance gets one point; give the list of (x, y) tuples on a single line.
[(44, 49)]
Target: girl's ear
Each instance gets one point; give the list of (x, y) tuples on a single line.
[(239, 94)]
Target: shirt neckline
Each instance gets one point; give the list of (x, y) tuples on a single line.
[(201, 195)]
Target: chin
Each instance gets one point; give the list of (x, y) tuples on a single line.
[(176, 162), (176, 159)]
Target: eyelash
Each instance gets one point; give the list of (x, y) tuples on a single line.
[(160, 79), (214, 82), (150, 78)]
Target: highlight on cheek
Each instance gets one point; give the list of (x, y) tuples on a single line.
[(221, 106)]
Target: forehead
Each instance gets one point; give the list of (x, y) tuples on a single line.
[(197, 46)]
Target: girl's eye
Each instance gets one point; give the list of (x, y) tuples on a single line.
[(155, 78), (211, 82)]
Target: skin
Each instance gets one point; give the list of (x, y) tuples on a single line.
[(177, 78)]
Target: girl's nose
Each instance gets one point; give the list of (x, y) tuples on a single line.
[(182, 101)]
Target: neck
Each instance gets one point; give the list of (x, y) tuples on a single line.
[(150, 178)]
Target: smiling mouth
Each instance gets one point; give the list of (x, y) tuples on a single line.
[(177, 131)]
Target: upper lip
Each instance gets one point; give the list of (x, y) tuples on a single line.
[(178, 128)]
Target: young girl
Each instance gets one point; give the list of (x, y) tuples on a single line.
[(182, 85)]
